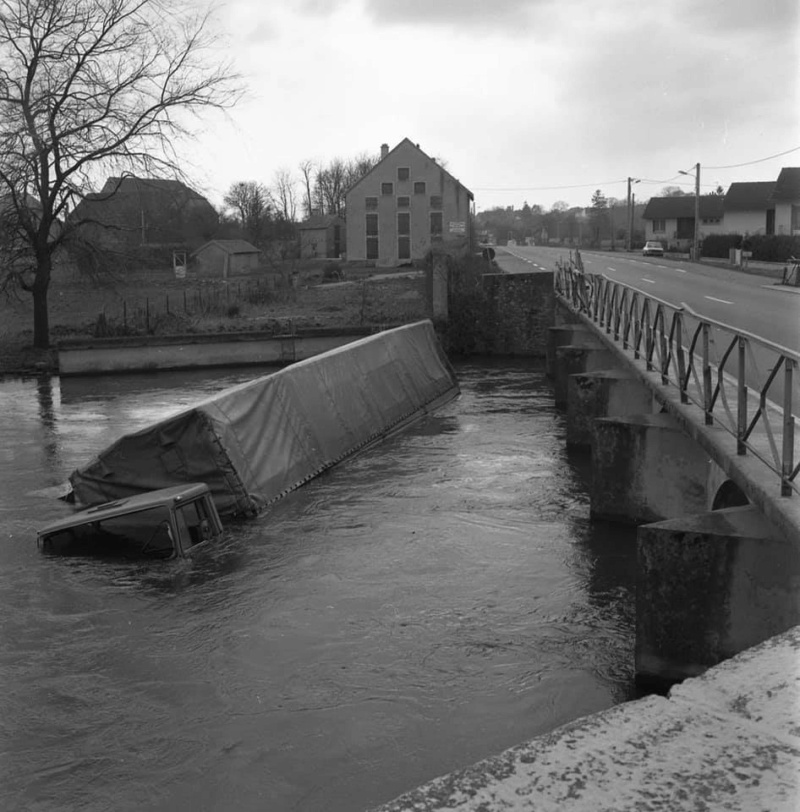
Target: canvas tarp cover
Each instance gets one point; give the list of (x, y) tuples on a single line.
[(256, 441)]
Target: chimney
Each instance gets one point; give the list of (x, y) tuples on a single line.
[(384, 150)]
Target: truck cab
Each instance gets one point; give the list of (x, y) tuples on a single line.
[(167, 523)]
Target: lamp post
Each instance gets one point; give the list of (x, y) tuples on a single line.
[(696, 248)]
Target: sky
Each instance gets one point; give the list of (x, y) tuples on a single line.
[(533, 101)]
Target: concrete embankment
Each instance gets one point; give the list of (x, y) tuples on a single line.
[(729, 739)]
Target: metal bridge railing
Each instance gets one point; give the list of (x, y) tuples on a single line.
[(743, 383)]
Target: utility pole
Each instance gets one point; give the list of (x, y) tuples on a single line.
[(696, 251), (629, 240)]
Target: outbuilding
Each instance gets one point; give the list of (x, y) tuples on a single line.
[(322, 236), (224, 258)]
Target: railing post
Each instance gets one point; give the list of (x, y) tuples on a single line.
[(707, 380), (677, 338), (741, 419), (788, 429)]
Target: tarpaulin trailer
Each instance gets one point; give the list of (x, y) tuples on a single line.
[(255, 442)]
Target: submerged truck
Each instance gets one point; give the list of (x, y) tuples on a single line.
[(256, 442)]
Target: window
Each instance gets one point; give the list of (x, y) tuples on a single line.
[(436, 201), (403, 235), (659, 226), (372, 236), (403, 202), (371, 203), (795, 219), (710, 221), (387, 188), (436, 225), (419, 187), (402, 173)]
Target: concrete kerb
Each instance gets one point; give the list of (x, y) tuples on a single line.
[(729, 739), (761, 485)]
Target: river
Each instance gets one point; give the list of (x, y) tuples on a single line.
[(428, 603)]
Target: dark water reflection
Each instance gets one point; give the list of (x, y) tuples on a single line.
[(426, 604)]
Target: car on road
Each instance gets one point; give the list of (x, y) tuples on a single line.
[(653, 248)]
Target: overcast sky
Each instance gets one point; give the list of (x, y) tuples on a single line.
[(516, 96)]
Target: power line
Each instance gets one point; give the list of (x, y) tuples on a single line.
[(757, 161), (546, 188)]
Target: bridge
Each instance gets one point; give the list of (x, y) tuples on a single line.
[(691, 424)]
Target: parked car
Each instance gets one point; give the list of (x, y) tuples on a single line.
[(653, 248)]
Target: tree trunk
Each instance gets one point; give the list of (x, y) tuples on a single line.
[(41, 315)]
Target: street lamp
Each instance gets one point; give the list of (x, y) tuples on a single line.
[(696, 249)]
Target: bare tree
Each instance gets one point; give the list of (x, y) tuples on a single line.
[(251, 202), (284, 194), (330, 187), (307, 171), (90, 88)]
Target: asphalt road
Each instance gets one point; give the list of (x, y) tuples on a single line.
[(745, 301)]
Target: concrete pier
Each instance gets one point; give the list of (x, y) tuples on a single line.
[(574, 358), (603, 393), (708, 587), (728, 740), (563, 334), (645, 469)]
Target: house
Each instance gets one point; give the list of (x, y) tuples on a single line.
[(131, 213), (671, 219), (322, 236), (748, 208), (785, 200), (226, 258), (404, 206)]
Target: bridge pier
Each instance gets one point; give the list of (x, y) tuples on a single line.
[(575, 358), (710, 586), (564, 334), (602, 393), (645, 469)]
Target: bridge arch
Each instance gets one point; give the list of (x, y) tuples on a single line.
[(729, 494)]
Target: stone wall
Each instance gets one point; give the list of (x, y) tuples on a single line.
[(520, 311)]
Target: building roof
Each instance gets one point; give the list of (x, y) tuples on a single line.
[(671, 208), (321, 221), (425, 154), (787, 187), (230, 247), (749, 196)]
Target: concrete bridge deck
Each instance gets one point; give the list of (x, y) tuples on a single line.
[(728, 740)]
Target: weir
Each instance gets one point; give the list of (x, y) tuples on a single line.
[(255, 442)]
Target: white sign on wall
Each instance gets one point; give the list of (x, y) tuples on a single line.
[(458, 227)]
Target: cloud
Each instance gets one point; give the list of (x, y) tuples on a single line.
[(512, 16)]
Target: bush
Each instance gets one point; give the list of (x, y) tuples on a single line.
[(764, 247)]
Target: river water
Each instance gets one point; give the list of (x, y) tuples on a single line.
[(426, 604)]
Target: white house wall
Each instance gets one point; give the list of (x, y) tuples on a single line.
[(455, 206)]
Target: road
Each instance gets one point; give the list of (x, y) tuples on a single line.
[(746, 301)]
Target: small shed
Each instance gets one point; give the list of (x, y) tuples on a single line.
[(322, 236), (224, 258)]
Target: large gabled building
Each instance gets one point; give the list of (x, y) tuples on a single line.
[(404, 206)]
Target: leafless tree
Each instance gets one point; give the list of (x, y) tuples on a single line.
[(284, 194), (91, 88), (252, 205), (307, 171)]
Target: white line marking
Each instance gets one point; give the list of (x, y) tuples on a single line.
[(714, 299), (651, 281), (680, 270), (665, 267), (611, 269)]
